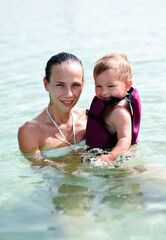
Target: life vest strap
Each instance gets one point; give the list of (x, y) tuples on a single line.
[(91, 115)]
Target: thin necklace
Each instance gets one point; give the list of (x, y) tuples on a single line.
[(73, 124)]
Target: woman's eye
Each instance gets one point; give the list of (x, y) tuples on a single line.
[(98, 86), (110, 86), (76, 85), (59, 85)]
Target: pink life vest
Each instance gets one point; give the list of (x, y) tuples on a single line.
[(97, 136)]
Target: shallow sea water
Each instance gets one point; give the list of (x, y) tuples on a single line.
[(78, 200)]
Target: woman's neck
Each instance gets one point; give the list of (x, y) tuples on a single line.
[(59, 116)]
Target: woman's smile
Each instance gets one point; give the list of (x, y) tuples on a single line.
[(67, 102)]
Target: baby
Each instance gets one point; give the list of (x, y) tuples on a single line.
[(115, 112)]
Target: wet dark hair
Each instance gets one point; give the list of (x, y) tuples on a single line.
[(59, 59)]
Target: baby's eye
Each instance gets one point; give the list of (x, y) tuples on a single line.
[(98, 86), (110, 86)]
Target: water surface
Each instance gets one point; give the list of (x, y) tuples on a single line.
[(76, 200)]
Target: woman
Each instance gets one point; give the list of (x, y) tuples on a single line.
[(60, 124)]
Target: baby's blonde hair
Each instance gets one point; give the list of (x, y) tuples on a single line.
[(116, 61)]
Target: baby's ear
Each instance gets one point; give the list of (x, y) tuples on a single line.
[(129, 84)]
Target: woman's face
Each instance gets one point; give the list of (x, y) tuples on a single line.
[(66, 84)]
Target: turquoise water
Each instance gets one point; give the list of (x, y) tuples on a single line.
[(77, 200)]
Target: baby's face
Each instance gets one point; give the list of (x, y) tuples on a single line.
[(108, 85)]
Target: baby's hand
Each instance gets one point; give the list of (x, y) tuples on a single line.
[(108, 158), (103, 161)]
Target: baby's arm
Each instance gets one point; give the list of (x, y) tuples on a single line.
[(121, 120)]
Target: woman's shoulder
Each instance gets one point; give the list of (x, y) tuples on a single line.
[(29, 125), (28, 131), (80, 113), (29, 135), (32, 127)]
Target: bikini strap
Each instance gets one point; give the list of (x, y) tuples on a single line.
[(73, 124)]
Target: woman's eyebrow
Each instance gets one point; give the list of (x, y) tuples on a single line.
[(60, 82)]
